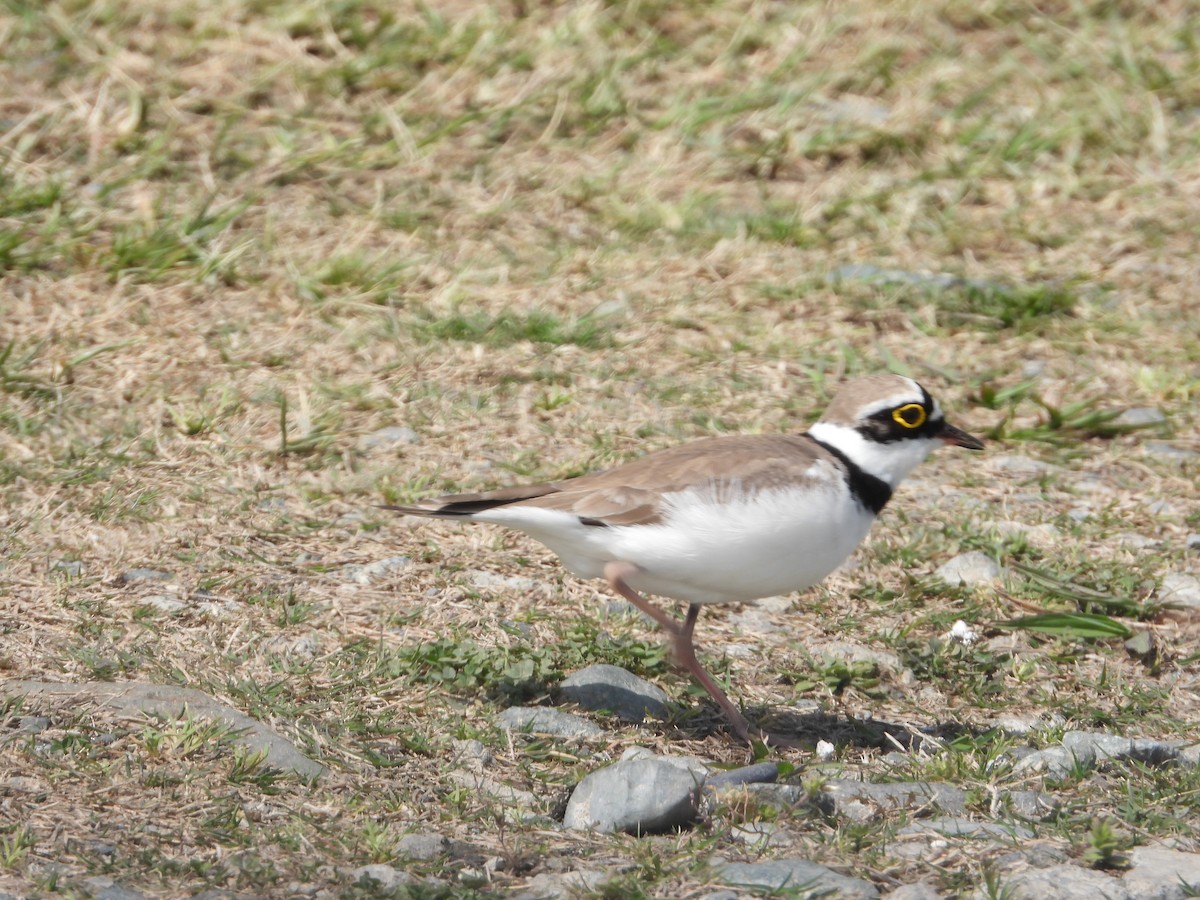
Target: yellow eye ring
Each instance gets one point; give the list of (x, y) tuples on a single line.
[(910, 415)]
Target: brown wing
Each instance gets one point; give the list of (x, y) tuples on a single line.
[(631, 494)]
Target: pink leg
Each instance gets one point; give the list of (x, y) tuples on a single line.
[(683, 652)]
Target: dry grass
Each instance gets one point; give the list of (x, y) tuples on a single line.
[(547, 238)]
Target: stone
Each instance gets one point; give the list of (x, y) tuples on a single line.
[(1033, 805), (1169, 451), (1160, 873), (366, 573), (920, 890), (165, 603), (391, 436), (972, 568), (1141, 646), (1054, 762), (381, 876), (1095, 747), (1062, 882), (1193, 541), (865, 800), (71, 568), (759, 773), (422, 846), (540, 720), (638, 796), (131, 576), (172, 702), (1181, 589), (797, 874), (605, 687), (1140, 417)]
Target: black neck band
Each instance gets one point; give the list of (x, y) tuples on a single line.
[(872, 493)]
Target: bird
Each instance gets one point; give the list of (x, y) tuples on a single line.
[(727, 519)]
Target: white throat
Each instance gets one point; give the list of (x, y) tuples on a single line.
[(889, 462)]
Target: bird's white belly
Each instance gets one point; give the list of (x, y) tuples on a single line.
[(773, 543), (716, 549)]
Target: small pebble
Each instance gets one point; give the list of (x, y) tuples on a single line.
[(1169, 451), (1140, 417), (970, 568), (1181, 589), (71, 568), (129, 576), (540, 720)]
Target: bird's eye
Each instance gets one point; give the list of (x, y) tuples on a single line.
[(910, 415)]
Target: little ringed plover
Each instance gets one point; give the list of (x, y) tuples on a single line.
[(728, 519)]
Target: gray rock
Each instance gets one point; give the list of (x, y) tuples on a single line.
[(797, 874), (381, 876), (974, 567), (759, 773), (1028, 723), (1169, 451), (165, 603), (1062, 882), (365, 574), (422, 846), (1141, 646), (130, 576), (1033, 805), (863, 800), (1181, 589), (171, 702), (637, 796), (71, 568), (1140, 417), (1160, 873), (1193, 541), (32, 724), (391, 436), (567, 884), (1190, 756), (102, 887), (1096, 747), (920, 890), (1054, 762), (605, 687), (955, 826), (540, 720)]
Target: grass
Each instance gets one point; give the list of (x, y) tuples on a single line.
[(238, 240)]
